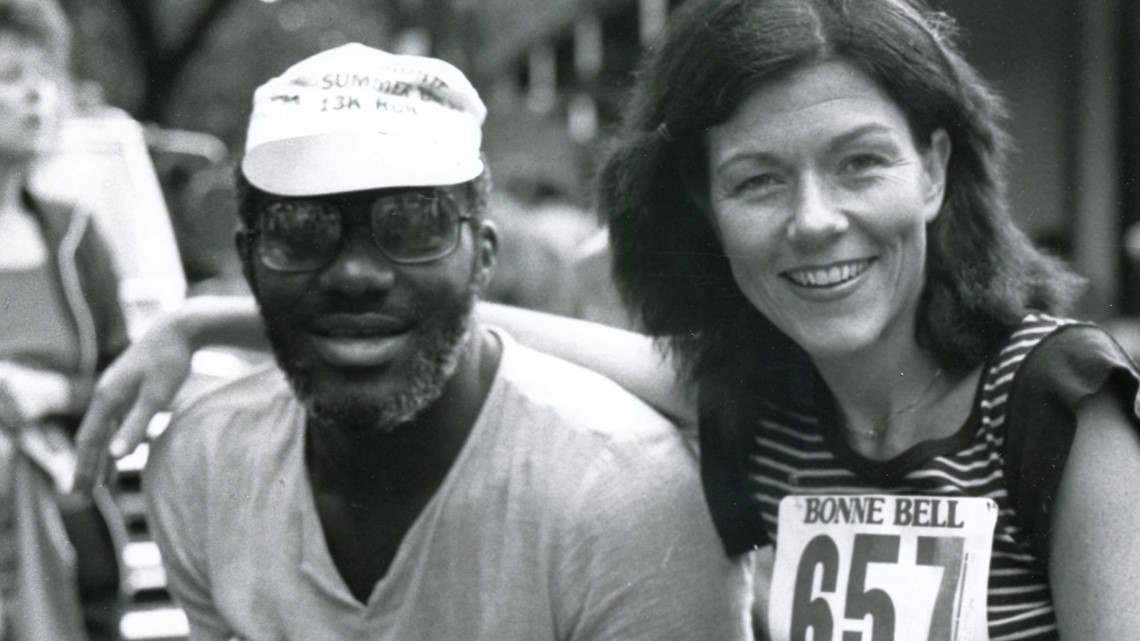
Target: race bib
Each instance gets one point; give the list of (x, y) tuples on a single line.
[(881, 568)]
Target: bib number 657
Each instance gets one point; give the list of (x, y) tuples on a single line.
[(815, 613)]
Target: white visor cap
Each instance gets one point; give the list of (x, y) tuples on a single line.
[(355, 118)]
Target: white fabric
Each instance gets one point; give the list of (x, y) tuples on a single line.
[(573, 512), (354, 118)]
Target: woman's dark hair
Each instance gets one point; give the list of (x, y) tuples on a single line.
[(982, 273), (40, 23)]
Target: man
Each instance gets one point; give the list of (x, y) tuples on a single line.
[(407, 473)]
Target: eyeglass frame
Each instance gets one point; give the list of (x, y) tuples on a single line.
[(254, 234)]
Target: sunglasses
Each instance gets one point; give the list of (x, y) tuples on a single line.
[(409, 227)]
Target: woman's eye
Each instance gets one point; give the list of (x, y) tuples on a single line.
[(863, 162), (759, 182)]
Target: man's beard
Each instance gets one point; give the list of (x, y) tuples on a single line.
[(439, 343)]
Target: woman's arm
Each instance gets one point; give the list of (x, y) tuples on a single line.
[(1094, 548), (144, 380), (629, 358)]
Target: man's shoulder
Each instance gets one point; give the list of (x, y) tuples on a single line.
[(563, 395), (224, 420), (574, 431), (255, 391)]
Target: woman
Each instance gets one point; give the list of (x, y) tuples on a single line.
[(807, 202), (62, 324), (807, 208)]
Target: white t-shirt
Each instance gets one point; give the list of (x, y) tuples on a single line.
[(573, 512)]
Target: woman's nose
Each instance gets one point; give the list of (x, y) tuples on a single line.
[(817, 215)]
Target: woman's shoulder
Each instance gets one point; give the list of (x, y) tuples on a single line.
[(1041, 338), (1053, 365), (1045, 367), (1067, 364), (1062, 354), (1030, 331)]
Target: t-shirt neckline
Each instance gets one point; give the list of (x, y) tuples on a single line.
[(316, 560)]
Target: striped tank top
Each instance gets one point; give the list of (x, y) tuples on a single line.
[(793, 452)]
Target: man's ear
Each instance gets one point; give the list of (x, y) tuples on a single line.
[(935, 164), (486, 252)]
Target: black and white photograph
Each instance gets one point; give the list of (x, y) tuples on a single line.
[(569, 320)]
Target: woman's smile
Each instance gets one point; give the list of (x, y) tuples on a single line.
[(827, 275)]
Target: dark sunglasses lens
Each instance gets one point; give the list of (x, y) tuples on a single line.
[(298, 235), (414, 227)]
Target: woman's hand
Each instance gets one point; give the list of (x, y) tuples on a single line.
[(142, 382)]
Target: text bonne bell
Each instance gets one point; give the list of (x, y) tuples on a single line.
[(908, 511)]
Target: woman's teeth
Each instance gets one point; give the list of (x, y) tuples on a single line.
[(827, 276)]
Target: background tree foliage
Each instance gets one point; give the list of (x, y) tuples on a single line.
[(193, 64)]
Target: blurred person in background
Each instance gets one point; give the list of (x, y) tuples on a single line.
[(596, 297), (538, 240), (1126, 328), (61, 325), (203, 216)]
